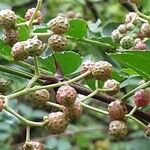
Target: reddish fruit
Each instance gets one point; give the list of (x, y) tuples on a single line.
[(142, 98), (33, 145), (57, 42), (1, 102), (113, 86), (117, 110), (145, 29), (39, 97), (74, 111), (29, 13), (18, 51), (118, 129), (102, 70), (57, 122), (140, 46), (59, 25), (66, 95), (131, 17)]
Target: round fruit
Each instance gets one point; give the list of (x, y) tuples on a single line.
[(148, 130), (39, 97), (118, 128), (57, 42), (59, 25), (66, 95), (33, 47), (4, 85), (7, 19), (116, 35), (74, 111), (113, 85), (117, 110), (142, 98), (145, 29), (131, 17), (57, 123), (127, 42), (122, 28), (102, 70), (10, 36), (29, 13), (33, 145), (140, 46), (1, 102), (18, 52)]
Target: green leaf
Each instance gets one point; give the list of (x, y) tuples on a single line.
[(135, 60), (5, 51), (69, 61), (78, 28), (109, 28)]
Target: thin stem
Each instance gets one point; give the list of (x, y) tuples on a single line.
[(37, 71), (47, 86), (47, 34), (96, 84), (94, 109), (133, 111), (143, 86), (54, 105), (28, 133), (32, 81), (21, 118)]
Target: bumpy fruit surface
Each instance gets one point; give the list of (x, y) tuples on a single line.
[(74, 111), (39, 97), (102, 70), (113, 85), (59, 25), (7, 19), (116, 35), (122, 28), (10, 36), (32, 145), (145, 29), (29, 13), (140, 46), (118, 128), (18, 51), (147, 131), (131, 17), (66, 95), (127, 42), (33, 47), (4, 85), (117, 110), (57, 42), (1, 102), (57, 123), (87, 65), (142, 98)]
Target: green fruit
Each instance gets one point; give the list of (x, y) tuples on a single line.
[(127, 42)]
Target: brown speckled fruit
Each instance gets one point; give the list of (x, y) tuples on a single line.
[(39, 97), (57, 42), (33, 145), (66, 95), (59, 25), (1, 102), (57, 123), (102, 70), (117, 110), (4, 85), (74, 111), (118, 129), (112, 84)]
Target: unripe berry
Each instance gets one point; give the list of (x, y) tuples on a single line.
[(131, 17), (87, 65), (122, 28), (59, 25), (57, 42), (57, 122), (33, 145), (147, 131), (130, 26), (142, 98), (29, 13), (145, 29), (127, 42), (113, 85), (74, 111), (39, 97), (7, 19), (102, 70), (33, 47), (117, 110), (116, 35), (18, 51), (1, 102), (141, 46), (66, 95), (10, 36), (4, 85), (118, 129)]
